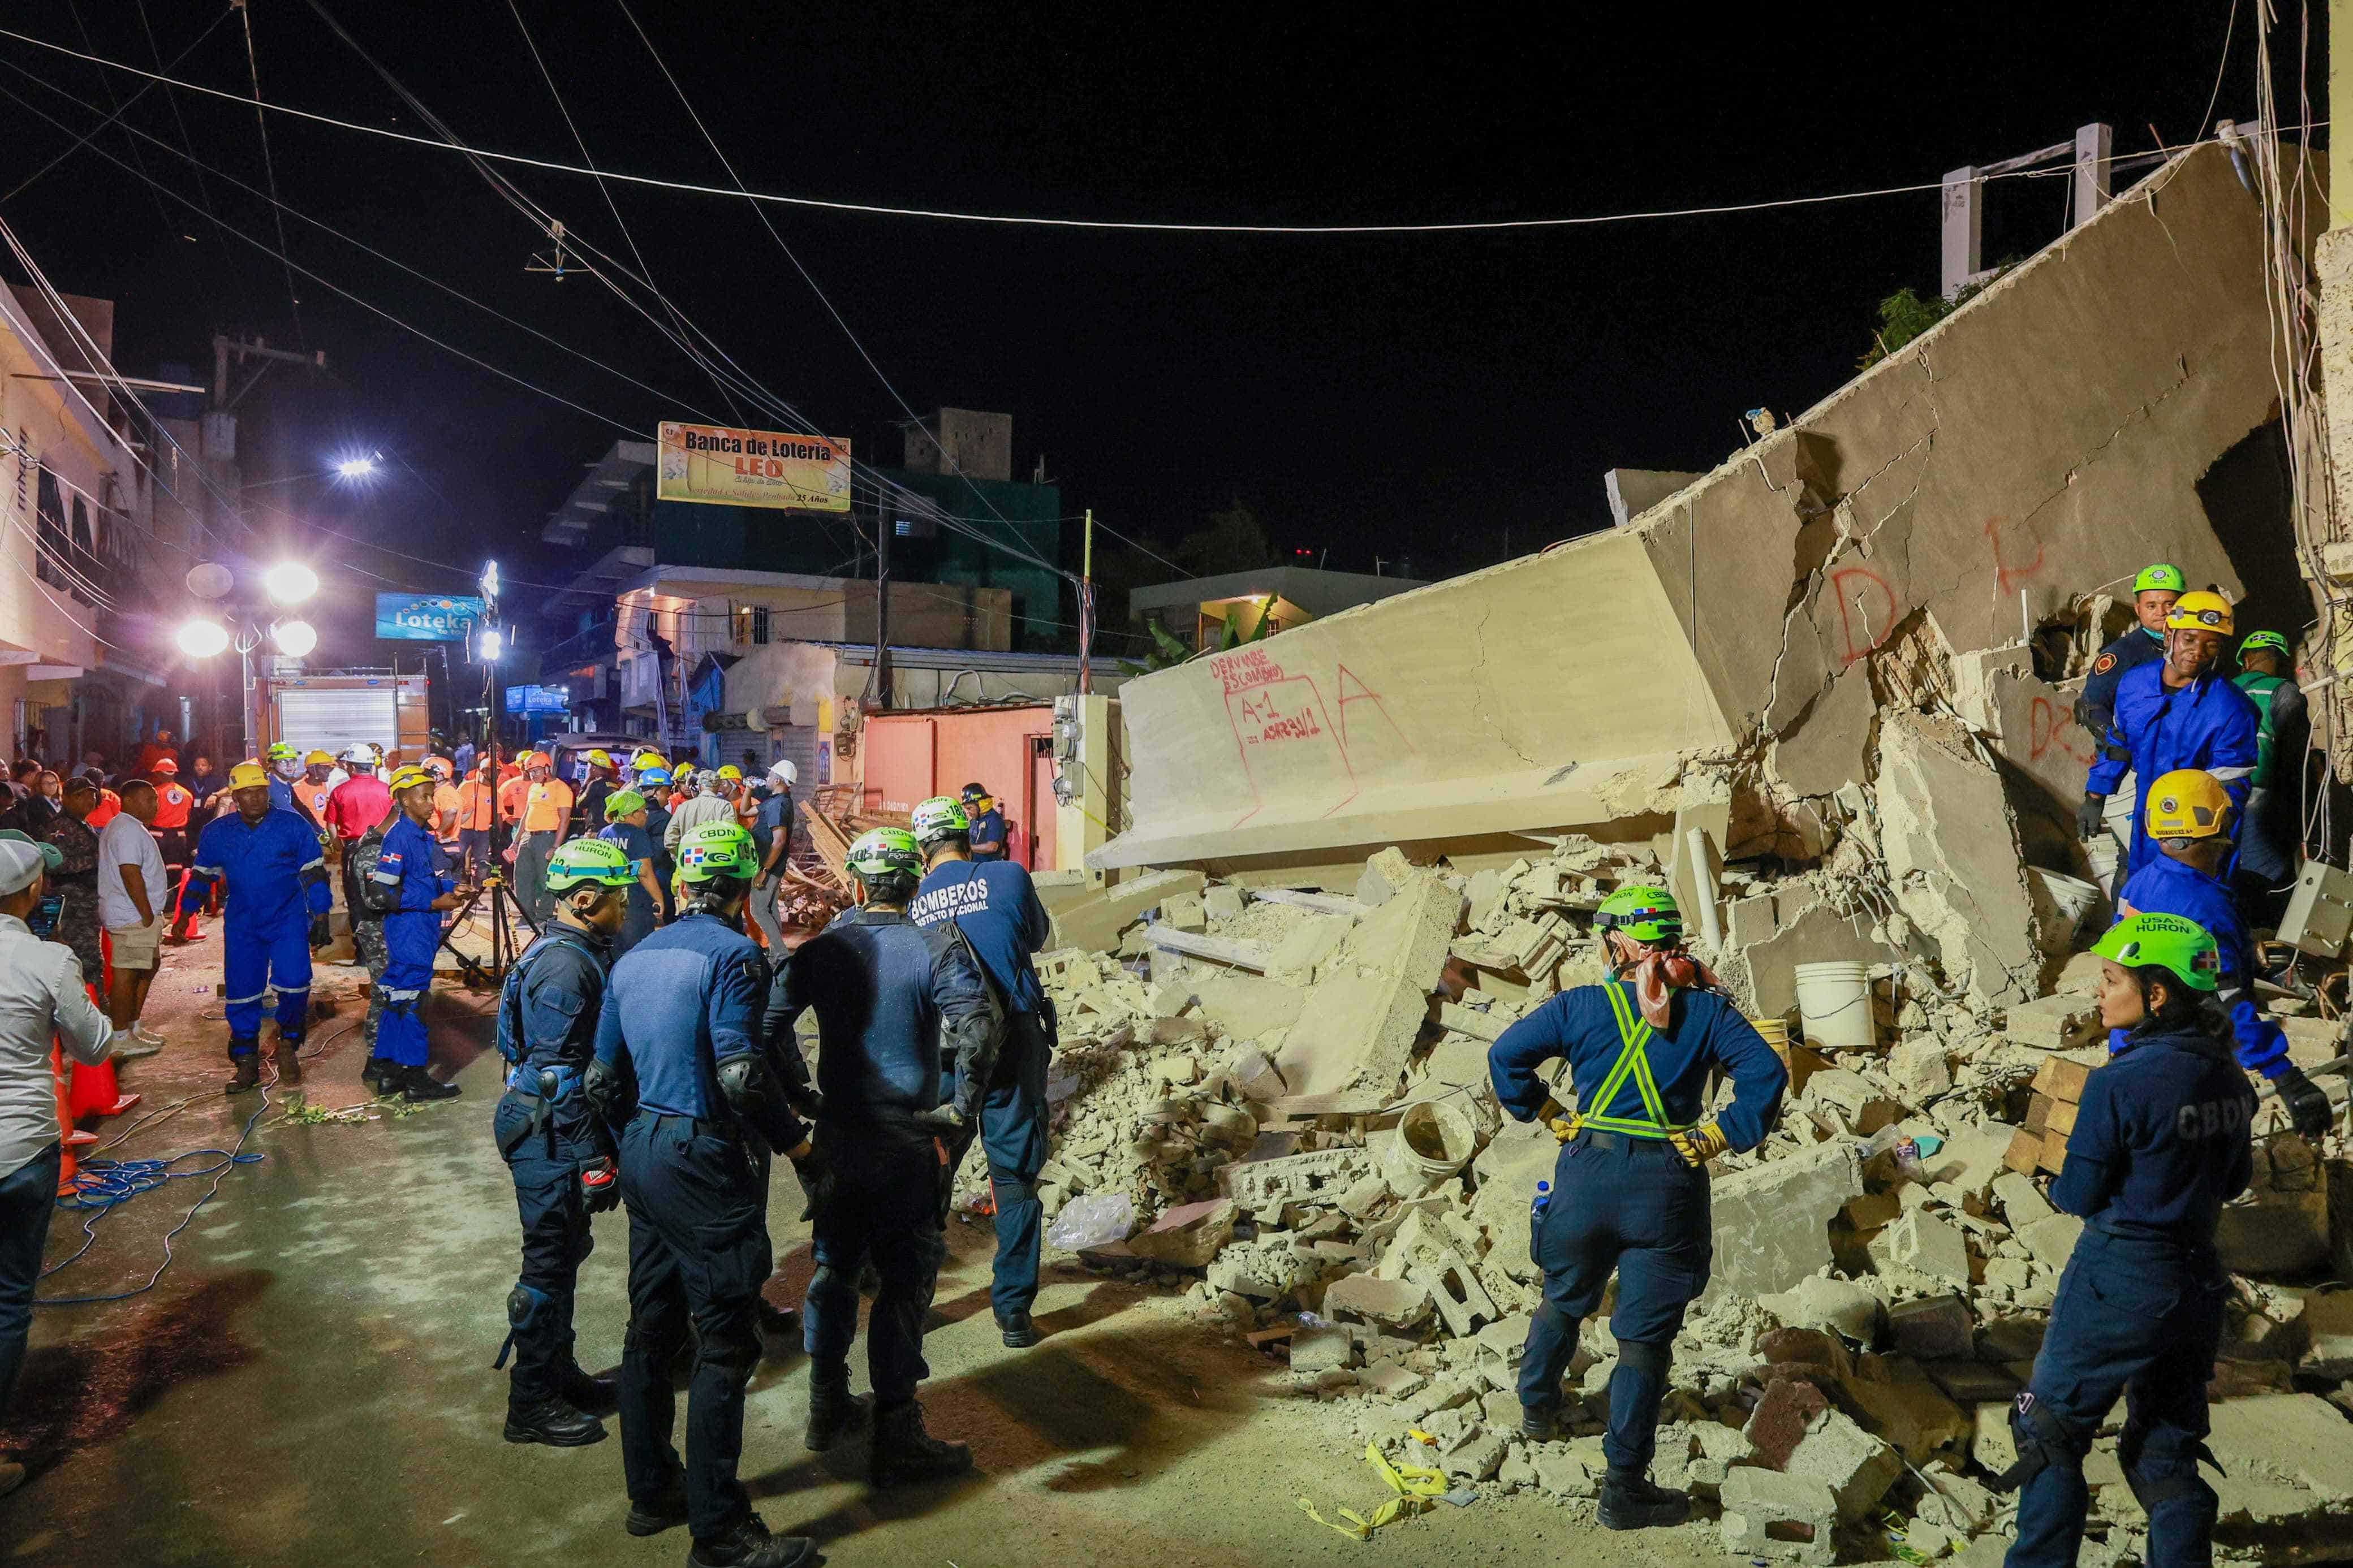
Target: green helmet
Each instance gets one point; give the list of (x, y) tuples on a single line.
[(716, 849), (589, 860), (1645, 913), (2272, 641), (283, 751), (2181, 947), (885, 852), (937, 818), (2163, 575), (622, 802)]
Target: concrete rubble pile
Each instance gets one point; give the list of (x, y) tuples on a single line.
[(1290, 1087)]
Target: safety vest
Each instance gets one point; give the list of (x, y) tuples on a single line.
[(2260, 690), (1635, 1062), (172, 804)]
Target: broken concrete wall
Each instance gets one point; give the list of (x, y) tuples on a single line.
[(1954, 860), (2043, 441)]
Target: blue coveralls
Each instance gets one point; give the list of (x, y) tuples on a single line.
[(547, 1025), (996, 906), (986, 837), (696, 1185), (892, 999), (411, 861), (2167, 887), (642, 849), (2095, 706), (2159, 1145), (2208, 725), (1622, 1198), (276, 879)]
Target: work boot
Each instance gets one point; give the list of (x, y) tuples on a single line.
[(904, 1453), (552, 1421), (379, 1075), (1017, 1331), (1539, 1423), (594, 1395), (417, 1087), (288, 1060), (1629, 1501), (246, 1066), (667, 1511), (749, 1545), (834, 1413)]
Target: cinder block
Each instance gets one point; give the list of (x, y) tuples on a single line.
[(1770, 1514)]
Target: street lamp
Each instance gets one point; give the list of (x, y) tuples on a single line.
[(202, 638), (289, 583), (294, 638), (245, 621)]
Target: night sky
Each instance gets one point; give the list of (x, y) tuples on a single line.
[(1430, 397)]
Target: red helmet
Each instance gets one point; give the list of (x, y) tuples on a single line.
[(165, 765)]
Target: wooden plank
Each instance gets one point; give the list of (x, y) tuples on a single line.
[(1250, 956), (2025, 1151), (2062, 1119), (1292, 1106), (2061, 1078), (2054, 1152), (1321, 903), (2038, 1114)]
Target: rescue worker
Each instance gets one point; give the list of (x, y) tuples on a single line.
[(410, 868), (653, 783), (445, 804), (2154, 592), (366, 903), (317, 784), (680, 1020), (988, 832), (1629, 1191), (2160, 1143), (174, 805), (625, 829), (996, 908), (2190, 822), (2271, 839), (603, 778), (546, 812), (2178, 713), (706, 803), (477, 808), (772, 829), (361, 801), (285, 764), (905, 1032), (268, 859), (560, 1155)]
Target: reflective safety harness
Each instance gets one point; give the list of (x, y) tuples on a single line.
[(1634, 1031)]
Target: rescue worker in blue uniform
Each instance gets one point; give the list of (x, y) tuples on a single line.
[(986, 834), (409, 872), (285, 766), (995, 905), (681, 1067), (2192, 823), (560, 1155), (1630, 1192), (2180, 712), (268, 862), (2154, 592), (903, 1013), (2160, 1143)]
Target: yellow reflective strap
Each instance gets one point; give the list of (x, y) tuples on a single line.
[(1628, 1036), (1634, 1060)]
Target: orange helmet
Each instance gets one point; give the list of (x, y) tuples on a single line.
[(166, 766)]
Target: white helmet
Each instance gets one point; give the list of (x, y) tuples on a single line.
[(360, 754), (785, 774)]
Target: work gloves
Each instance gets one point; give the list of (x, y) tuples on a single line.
[(319, 933), (2091, 816), (600, 1184), (815, 1178), (1700, 1143), (2307, 1103), (1565, 1123)]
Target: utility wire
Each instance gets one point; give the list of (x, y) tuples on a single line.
[(1022, 220), (228, 252), (269, 166)]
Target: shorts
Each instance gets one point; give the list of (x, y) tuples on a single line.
[(134, 946)]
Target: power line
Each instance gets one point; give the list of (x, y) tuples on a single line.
[(269, 166), (1020, 220), (227, 253)]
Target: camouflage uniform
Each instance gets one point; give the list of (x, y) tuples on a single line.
[(367, 925), (77, 878)]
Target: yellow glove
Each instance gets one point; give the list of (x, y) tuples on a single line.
[(1700, 1143), (1565, 1123)]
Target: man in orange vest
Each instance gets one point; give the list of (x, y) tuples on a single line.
[(172, 804), (477, 805), (546, 809), (317, 782)]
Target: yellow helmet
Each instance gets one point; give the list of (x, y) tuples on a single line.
[(248, 774), (2200, 612), (410, 777), (731, 772), (599, 758), (316, 759), (2189, 803)]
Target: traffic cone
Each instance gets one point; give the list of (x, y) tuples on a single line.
[(96, 1091), (195, 922), (69, 1138)]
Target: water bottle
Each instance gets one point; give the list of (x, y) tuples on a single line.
[(1536, 1216)]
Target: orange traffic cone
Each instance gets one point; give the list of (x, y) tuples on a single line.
[(195, 922), (69, 1140), (96, 1091)]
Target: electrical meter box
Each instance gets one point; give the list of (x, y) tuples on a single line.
[(2319, 916)]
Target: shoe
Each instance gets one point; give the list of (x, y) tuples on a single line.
[(246, 1064), (552, 1421), (667, 1511), (834, 1413), (1539, 1423), (146, 1036), (1017, 1331), (12, 1475), (380, 1074), (594, 1395), (123, 1046), (288, 1060), (1631, 1502), (419, 1085), (904, 1453), (749, 1545)]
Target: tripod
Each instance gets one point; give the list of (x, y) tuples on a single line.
[(504, 949)]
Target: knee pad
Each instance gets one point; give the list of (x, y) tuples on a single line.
[(1652, 1356), (1008, 1189), (2169, 1479), (2042, 1440), (526, 1306)]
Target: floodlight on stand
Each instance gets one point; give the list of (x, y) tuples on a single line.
[(289, 583), (294, 638), (490, 581), (202, 638), (210, 580), (490, 646)]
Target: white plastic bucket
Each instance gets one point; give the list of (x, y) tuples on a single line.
[(1834, 1000), (2074, 898), (1432, 1140)]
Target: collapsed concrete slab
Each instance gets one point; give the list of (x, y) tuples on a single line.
[(1358, 1023), (1953, 854), (1772, 1222), (1095, 921)]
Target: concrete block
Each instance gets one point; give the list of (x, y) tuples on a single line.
[(1254, 1074), (1909, 1411), (1383, 875), (1188, 1236), (2060, 1023), (1993, 1447), (1922, 1069), (1865, 1108), (2300, 1437), (1952, 848), (1785, 1413), (1094, 922), (2052, 1240), (1320, 1175), (1938, 1328), (1223, 902), (1476, 1459), (2023, 1202), (1857, 1467), (1972, 1157), (1359, 1022), (1772, 1221), (1921, 1241), (2329, 1324), (2274, 1234), (1770, 1514), (1819, 1302), (1310, 943), (1396, 1303), (1565, 1471), (1321, 1350), (1387, 1380)]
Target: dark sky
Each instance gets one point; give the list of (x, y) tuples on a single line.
[(1425, 396)]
